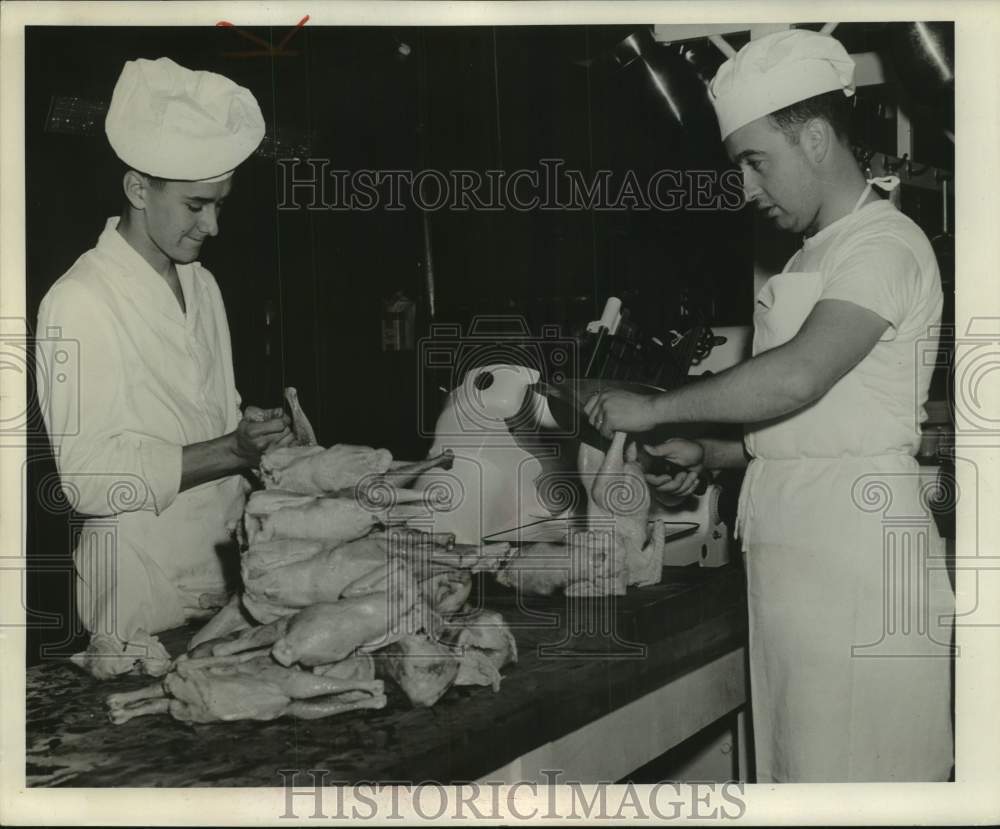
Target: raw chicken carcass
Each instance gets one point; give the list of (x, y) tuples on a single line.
[(272, 514), (360, 621), (579, 567), (468, 651), (245, 687), (308, 468), (281, 552), (539, 569), (421, 666), (618, 517), (374, 611), (278, 584), (484, 644), (347, 471), (643, 550), (313, 470), (330, 632), (447, 590), (264, 502)]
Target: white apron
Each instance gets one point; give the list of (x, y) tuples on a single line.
[(849, 604)]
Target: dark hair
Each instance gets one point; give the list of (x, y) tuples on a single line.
[(833, 107), (157, 183), (154, 181)]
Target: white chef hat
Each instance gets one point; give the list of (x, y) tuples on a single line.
[(174, 123), (778, 70)]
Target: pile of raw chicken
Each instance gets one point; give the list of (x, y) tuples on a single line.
[(342, 590), (339, 595)]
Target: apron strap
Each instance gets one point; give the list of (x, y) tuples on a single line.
[(887, 183)]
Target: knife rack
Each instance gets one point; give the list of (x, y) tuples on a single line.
[(629, 355)]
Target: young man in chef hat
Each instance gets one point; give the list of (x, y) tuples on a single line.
[(832, 399), (161, 438)]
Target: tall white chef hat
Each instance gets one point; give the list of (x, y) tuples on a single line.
[(174, 123), (778, 70)]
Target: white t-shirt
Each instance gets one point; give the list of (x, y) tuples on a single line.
[(878, 258)]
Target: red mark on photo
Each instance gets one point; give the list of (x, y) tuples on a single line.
[(267, 50)]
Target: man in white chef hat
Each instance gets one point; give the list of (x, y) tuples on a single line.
[(842, 687), (161, 441)]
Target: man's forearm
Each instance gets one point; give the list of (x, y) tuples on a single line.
[(761, 388), (723, 454), (209, 460)]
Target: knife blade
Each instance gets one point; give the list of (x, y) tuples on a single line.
[(566, 402)]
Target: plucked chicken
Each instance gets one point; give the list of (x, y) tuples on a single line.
[(282, 576), (313, 470), (484, 644), (272, 514), (423, 667), (373, 611), (248, 686), (470, 650), (614, 551), (539, 569)]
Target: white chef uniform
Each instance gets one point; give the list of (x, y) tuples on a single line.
[(152, 379), (850, 605)]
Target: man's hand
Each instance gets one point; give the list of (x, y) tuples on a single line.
[(236, 451), (260, 430), (688, 454), (620, 411)]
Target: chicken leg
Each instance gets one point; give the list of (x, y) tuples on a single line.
[(248, 639), (403, 473), (301, 427), (228, 620)]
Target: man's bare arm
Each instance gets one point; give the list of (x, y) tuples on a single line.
[(724, 454), (235, 452), (835, 337)]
